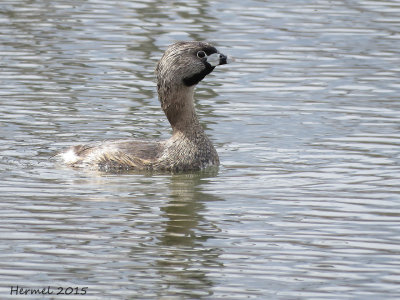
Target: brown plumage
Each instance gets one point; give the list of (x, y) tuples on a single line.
[(183, 65)]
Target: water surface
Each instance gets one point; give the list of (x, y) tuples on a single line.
[(306, 202)]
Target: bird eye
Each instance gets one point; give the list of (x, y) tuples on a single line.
[(201, 54)]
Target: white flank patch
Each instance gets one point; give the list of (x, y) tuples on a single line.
[(69, 156)]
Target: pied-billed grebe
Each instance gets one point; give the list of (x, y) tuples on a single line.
[(183, 65)]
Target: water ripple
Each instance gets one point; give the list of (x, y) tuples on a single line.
[(306, 202)]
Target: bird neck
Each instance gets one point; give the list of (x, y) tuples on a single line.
[(178, 106)]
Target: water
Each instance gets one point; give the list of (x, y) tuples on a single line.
[(306, 203)]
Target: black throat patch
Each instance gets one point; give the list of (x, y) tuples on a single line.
[(196, 78)]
